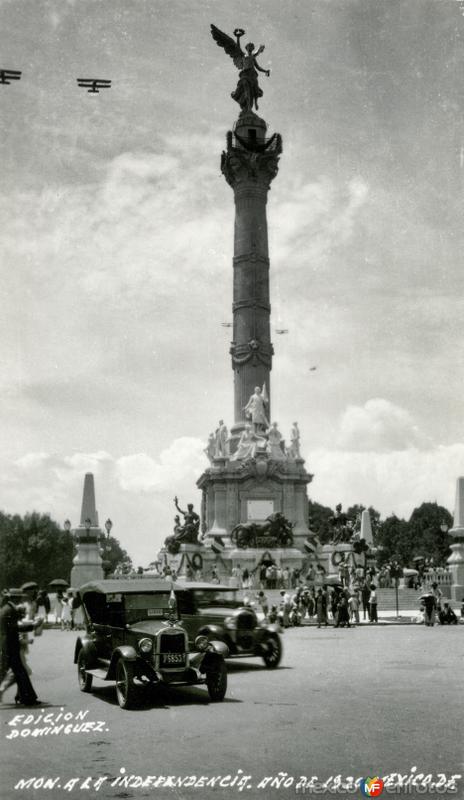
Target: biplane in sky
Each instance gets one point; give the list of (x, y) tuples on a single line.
[(93, 85), (8, 75)]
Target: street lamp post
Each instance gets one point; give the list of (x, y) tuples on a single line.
[(396, 573)]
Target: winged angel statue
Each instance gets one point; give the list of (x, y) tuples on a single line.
[(247, 91)]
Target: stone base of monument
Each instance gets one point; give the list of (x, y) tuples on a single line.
[(332, 555), (204, 559), (456, 567), (249, 558), (87, 565), (199, 557)]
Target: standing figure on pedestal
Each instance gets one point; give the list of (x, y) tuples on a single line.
[(274, 441), (294, 449), (210, 448), (247, 91), (221, 440), (255, 410)]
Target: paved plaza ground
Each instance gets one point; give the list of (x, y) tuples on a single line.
[(360, 702)]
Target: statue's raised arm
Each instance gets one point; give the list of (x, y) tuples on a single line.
[(248, 90)]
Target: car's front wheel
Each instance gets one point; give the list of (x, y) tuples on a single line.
[(216, 681), (272, 651), (126, 690), (83, 677)]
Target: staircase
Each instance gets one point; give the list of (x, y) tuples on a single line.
[(408, 599)]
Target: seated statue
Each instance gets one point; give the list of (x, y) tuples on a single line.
[(186, 533), (248, 444)]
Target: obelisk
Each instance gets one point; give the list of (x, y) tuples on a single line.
[(87, 563)]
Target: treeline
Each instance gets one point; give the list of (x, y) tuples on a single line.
[(35, 548), (397, 539)]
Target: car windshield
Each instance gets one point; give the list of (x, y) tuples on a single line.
[(146, 606), (216, 597)]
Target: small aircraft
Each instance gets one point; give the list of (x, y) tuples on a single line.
[(226, 324), (8, 75), (281, 330), (312, 369), (93, 84)]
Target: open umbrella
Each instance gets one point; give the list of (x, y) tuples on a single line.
[(58, 583), (418, 558), (29, 585)]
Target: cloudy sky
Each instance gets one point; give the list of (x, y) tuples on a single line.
[(116, 247)]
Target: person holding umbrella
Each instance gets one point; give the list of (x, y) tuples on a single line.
[(59, 585), (429, 605)]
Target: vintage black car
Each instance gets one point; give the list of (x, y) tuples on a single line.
[(133, 637), (217, 612)]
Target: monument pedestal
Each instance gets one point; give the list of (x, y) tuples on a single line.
[(249, 491), (456, 559), (456, 565), (87, 564)]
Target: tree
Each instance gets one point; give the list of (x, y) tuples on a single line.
[(421, 535), (425, 529), (394, 541), (318, 520), (115, 555), (33, 547)]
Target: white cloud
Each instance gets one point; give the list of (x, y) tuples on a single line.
[(183, 459), (32, 460), (379, 426), (396, 481)]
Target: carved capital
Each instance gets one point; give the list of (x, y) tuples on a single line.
[(241, 167)]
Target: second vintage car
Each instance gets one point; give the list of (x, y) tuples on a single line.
[(219, 613), (133, 637)]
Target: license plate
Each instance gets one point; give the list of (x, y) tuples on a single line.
[(173, 658)]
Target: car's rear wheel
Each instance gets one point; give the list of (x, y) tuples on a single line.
[(216, 681), (83, 677), (272, 651), (126, 690)]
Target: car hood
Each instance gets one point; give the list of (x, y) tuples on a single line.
[(152, 626)]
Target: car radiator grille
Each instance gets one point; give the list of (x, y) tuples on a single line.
[(172, 650)]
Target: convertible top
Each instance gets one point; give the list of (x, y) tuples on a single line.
[(138, 585)]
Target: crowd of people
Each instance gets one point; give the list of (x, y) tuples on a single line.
[(325, 605)]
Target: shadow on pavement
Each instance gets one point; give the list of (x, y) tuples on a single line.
[(161, 698)]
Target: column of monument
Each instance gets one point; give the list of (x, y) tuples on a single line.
[(249, 164)]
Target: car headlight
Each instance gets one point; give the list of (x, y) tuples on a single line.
[(201, 643), (145, 645), (230, 623)]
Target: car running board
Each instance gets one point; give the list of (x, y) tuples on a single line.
[(98, 673)]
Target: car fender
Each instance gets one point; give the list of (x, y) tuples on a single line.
[(125, 651), (219, 647), (88, 646), (210, 631), (210, 661), (264, 630)]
